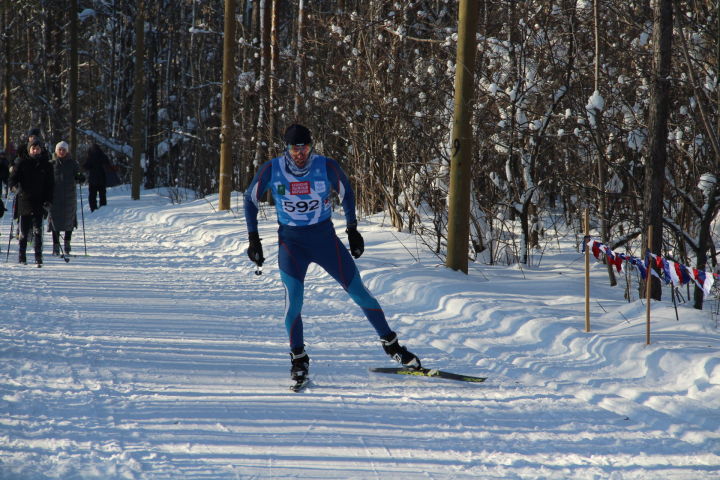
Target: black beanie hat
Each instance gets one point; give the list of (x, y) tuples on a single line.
[(34, 132), (296, 134), (35, 143)]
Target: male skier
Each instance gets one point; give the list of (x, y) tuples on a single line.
[(301, 182)]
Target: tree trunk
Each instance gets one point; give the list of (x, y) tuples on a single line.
[(228, 87), (299, 75), (52, 71), (151, 112), (602, 172), (462, 142), (138, 94), (6, 83), (73, 81), (705, 242), (261, 144), (272, 78), (658, 129)]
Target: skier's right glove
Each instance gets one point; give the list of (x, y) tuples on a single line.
[(255, 250)]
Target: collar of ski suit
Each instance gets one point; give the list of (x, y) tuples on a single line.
[(294, 169)]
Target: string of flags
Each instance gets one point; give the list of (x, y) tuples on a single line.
[(666, 270)]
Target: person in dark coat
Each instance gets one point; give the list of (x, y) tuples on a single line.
[(96, 164), (32, 180), (63, 213)]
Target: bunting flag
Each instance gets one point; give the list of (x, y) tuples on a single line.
[(665, 269), (703, 280), (675, 274), (639, 265), (667, 276), (684, 274)]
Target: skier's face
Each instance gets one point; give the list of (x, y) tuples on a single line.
[(61, 152), (299, 154)]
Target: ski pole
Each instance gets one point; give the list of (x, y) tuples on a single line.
[(12, 224), (82, 215)]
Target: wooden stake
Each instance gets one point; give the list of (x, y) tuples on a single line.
[(586, 226)]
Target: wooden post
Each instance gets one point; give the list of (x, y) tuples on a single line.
[(586, 226), (648, 287)]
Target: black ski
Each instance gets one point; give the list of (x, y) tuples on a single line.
[(429, 372), (300, 385)]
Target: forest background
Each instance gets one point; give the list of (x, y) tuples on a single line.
[(566, 106)]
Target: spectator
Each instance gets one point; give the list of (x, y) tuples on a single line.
[(63, 213), (32, 180), (96, 164)]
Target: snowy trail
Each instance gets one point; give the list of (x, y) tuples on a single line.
[(161, 356)]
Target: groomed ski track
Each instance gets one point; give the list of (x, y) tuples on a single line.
[(161, 355)]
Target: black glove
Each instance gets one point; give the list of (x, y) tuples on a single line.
[(80, 178), (255, 251), (357, 244)]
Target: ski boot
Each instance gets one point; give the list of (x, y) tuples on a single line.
[(399, 353), (56, 250), (300, 364), (299, 370)]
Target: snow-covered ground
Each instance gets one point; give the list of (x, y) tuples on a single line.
[(160, 355)]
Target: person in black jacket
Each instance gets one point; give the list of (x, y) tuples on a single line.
[(96, 165), (32, 180)]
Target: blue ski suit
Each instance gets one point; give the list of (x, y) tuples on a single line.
[(307, 235)]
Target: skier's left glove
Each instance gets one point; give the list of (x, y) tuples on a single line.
[(357, 244), (255, 250)]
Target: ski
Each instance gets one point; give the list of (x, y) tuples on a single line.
[(300, 385), (429, 372)]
